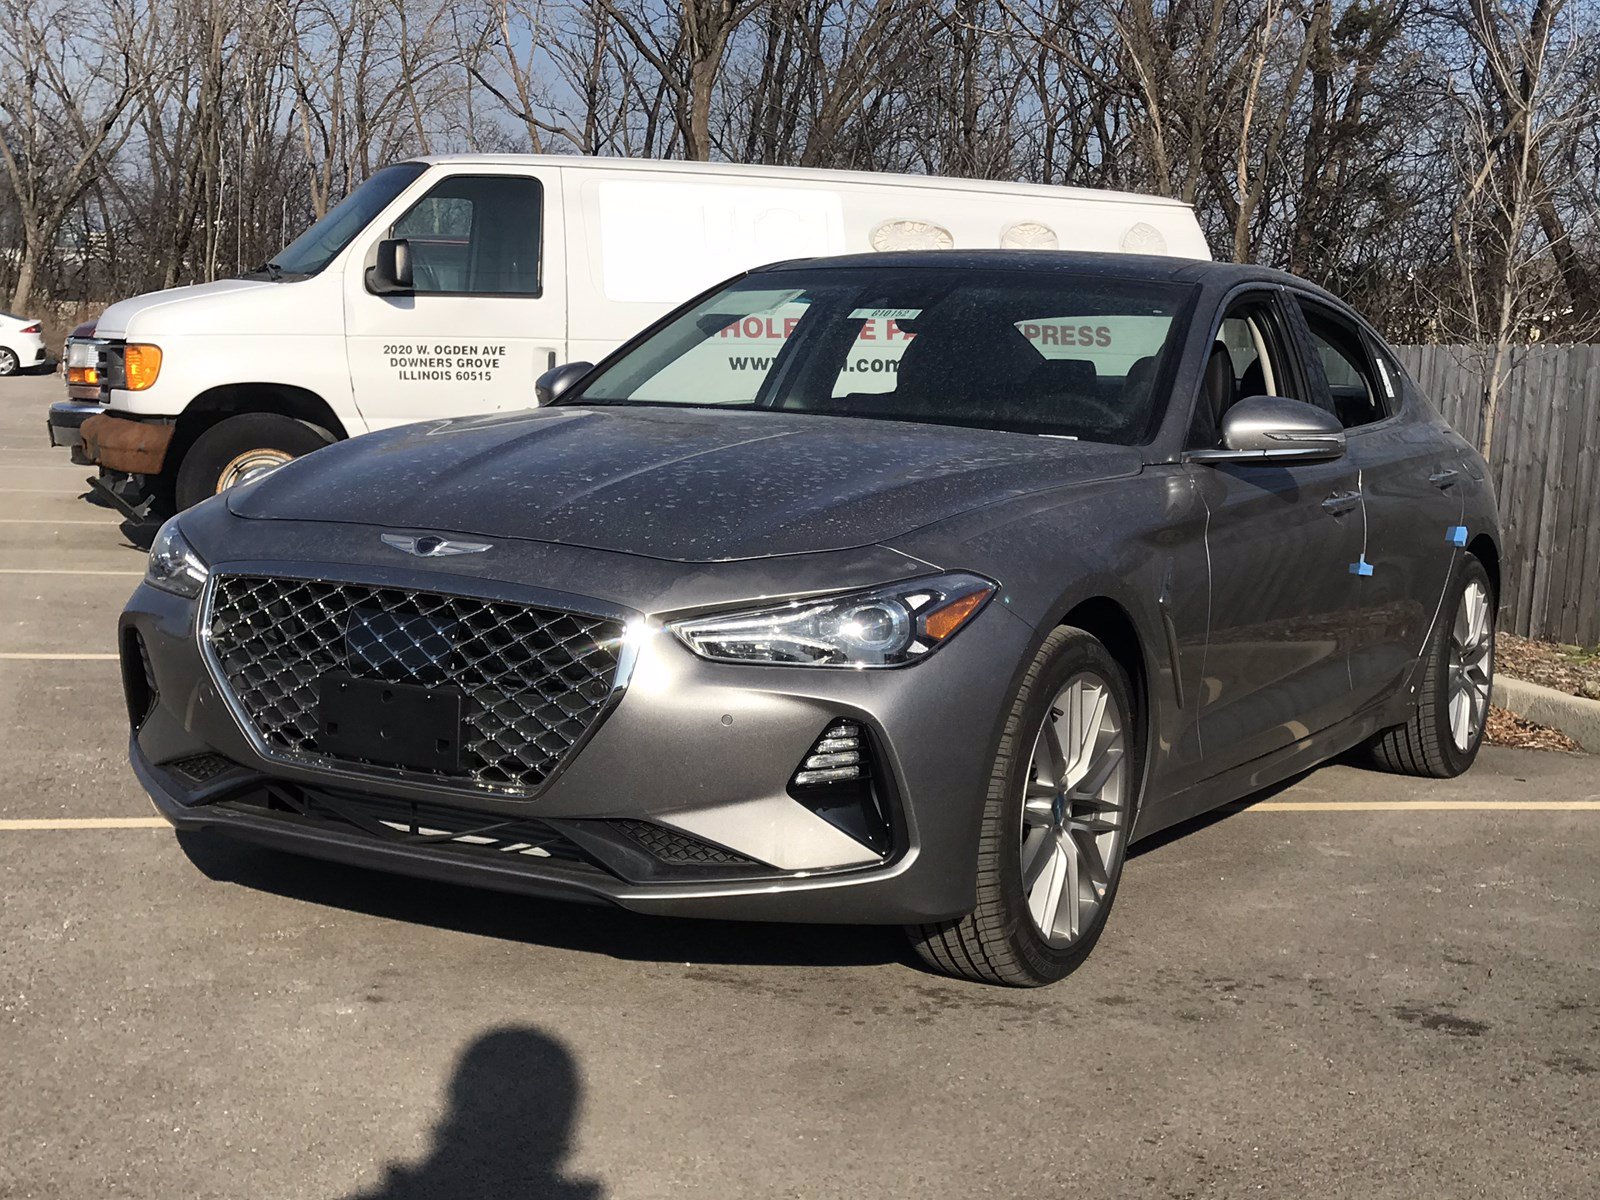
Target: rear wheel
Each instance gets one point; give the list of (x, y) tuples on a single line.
[(10, 364), (1446, 728), (1060, 806), (239, 450)]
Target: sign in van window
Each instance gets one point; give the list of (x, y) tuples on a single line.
[(1112, 344)]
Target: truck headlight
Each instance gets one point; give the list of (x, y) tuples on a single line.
[(174, 566), (884, 627)]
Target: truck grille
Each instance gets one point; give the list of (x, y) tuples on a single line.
[(533, 681)]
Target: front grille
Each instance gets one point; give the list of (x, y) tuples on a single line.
[(532, 681)]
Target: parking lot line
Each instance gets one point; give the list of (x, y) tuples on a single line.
[(30, 657), (36, 825), (65, 571), (57, 521)]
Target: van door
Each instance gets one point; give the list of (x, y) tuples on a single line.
[(487, 315)]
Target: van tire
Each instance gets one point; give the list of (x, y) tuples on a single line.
[(234, 448)]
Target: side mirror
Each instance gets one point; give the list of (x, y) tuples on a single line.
[(556, 380), (390, 275), (1276, 429)]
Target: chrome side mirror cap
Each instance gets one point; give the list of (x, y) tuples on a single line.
[(1276, 429), (556, 380)]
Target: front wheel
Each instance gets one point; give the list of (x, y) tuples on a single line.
[(1056, 821), (1445, 730), (239, 450)]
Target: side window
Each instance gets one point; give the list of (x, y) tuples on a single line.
[(1248, 358), (1354, 385), (475, 235)]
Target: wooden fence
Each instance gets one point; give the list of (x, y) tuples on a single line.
[(1545, 463)]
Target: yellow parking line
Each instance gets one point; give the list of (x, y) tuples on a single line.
[(55, 521), (18, 657), (65, 571), (1422, 806), (37, 824)]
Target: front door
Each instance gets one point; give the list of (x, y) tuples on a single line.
[(488, 313), (1284, 545)]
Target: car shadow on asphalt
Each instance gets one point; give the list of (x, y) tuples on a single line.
[(514, 1098), (562, 925)]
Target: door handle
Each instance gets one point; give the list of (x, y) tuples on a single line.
[(1340, 503), (1443, 478)]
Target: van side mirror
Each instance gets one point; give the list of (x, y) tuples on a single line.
[(1276, 429), (390, 275), (556, 380)]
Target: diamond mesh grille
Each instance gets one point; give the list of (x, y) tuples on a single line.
[(533, 680), (678, 849)]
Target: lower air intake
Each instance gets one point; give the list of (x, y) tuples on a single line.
[(678, 849)]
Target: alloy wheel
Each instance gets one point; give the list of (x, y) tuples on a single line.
[(1074, 809), (1471, 654)]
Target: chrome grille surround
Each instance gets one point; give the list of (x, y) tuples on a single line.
[(535, 680)]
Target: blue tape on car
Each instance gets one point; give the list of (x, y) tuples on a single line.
[(1456, 535), (1361, 568)]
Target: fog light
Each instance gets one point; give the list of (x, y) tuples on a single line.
[(835, 757)]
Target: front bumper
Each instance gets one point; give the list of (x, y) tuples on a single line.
[(694, 748), (65, 425)]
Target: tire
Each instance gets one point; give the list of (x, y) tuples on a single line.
[(1002, 940), (1430, 743), (223, 454), (10, 364)]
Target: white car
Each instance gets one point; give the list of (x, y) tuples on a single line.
[(21, 343)]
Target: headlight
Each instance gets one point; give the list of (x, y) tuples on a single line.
[(174, 566), (885, 627)]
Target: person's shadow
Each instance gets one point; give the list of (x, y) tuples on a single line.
[(513, 1102)]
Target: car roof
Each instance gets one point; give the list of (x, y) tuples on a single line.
[(1157, 268)]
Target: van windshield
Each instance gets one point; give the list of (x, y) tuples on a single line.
[(1067, 355), (316, 247)]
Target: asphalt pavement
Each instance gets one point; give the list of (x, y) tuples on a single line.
[(1356, 985)]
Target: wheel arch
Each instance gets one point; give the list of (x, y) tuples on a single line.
[(1484, 549), (1114, 627), (215, 405)]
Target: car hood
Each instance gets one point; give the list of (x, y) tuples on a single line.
[(153, 312), (692, 485)]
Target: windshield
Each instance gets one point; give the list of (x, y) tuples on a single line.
[(1031, 352), (315, 248)]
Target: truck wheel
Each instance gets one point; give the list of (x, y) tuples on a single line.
[(9, 362), (241, 449)]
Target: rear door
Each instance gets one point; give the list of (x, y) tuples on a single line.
[(488, 313), (1410, 494), (1282, 541)]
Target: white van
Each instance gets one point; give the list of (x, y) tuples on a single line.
[(446, 286)]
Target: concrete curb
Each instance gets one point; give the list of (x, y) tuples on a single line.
[(1574, 716)]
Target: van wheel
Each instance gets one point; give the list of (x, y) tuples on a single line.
[(10, 364), (1060, 806), (241, 449)]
